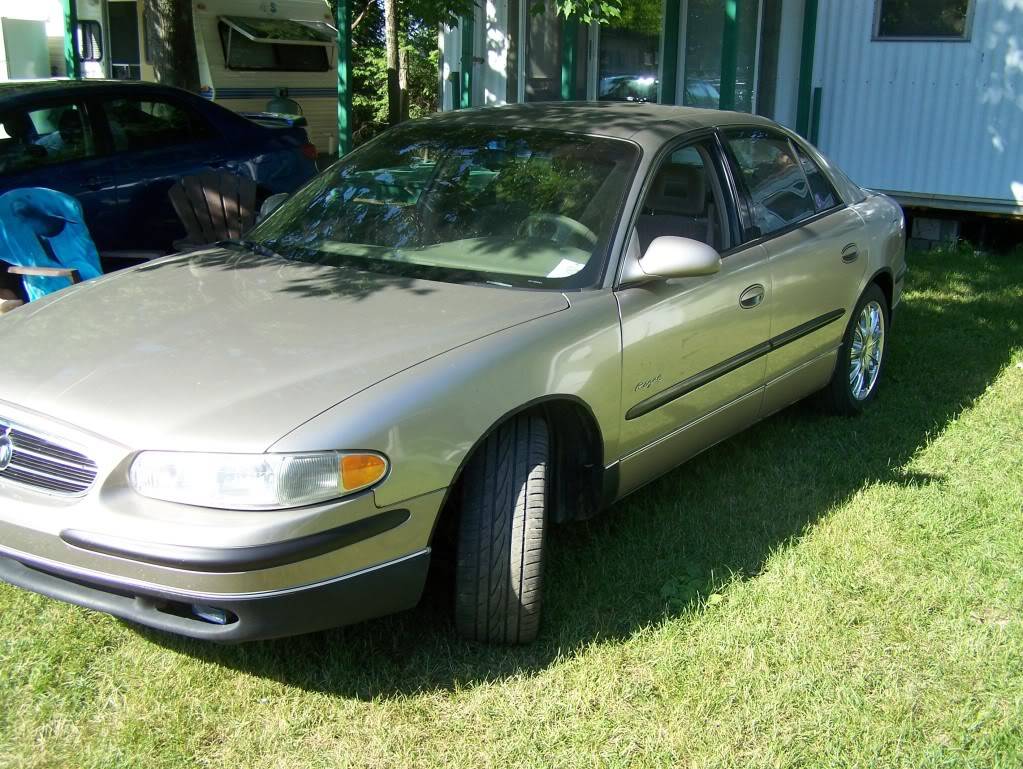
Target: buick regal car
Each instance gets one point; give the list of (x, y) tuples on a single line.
[(476, 326)]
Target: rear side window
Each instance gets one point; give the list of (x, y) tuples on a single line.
[(143, 124), (34, 138), (777, 187), (824, 195)]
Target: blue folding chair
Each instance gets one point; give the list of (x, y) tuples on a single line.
[(44, 238)]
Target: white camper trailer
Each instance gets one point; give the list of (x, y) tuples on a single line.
[(248, 51)]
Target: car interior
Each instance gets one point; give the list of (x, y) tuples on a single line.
[(42, 136)]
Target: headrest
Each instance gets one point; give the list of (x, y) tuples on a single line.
[(680, 190), (70, 124)]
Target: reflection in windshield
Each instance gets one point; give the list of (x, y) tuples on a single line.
[(521, 208)]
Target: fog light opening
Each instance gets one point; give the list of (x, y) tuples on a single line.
[(212, 614)]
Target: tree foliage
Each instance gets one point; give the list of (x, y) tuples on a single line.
[(602, 11)]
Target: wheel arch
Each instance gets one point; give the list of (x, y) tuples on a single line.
[(576, 438), (885, 280)]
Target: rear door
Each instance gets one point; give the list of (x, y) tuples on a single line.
[(53, 143), (693, 349), (817, 258), (155, 141)]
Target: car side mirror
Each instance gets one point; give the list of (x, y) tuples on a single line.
[(670, 257), (271, 204)]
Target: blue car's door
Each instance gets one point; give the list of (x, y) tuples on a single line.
[(155, 141), (54, 143)]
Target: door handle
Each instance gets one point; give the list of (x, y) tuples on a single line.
[(97, 182), (850, 253), (751, 297)]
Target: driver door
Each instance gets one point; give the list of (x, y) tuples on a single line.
[(694, 349)]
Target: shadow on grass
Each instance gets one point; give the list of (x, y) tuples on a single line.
[(664, 550)]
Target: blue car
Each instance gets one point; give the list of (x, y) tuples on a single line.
[(118, 147)]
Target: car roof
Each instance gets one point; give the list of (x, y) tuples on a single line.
[(14, 89), (647, 124)]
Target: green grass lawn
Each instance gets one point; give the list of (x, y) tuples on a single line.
[(814, 592)]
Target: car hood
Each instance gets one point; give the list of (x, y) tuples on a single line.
[(222, 351)]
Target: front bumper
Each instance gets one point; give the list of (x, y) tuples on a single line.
[(276, 573), (373, 592)]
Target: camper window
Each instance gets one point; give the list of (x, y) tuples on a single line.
[(241, 52)]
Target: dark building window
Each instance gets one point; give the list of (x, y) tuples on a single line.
[(90, 41), (933, 19)]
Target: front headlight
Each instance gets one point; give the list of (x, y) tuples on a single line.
[(254, 481)]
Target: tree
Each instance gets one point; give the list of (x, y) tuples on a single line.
[(406, 21), (171, 40)]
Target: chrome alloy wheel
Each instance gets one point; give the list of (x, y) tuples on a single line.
[(867, 350)]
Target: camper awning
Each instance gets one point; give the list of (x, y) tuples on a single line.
[(290, 31)]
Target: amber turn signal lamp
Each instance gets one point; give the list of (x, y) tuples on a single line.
[(361, 470)]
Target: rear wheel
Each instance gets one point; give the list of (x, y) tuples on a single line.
[(862, 356), (499, 568)]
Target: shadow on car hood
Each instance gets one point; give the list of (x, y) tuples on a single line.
[(221, 351)]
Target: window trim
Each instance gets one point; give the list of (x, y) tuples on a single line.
[(82, 25), (743, 192), (966, 37)]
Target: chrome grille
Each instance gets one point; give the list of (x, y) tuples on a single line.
[(39, 463)]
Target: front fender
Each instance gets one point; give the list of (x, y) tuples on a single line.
[(427, 418)]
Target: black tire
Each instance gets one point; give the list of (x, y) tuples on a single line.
[(838, 396), (499, 568)]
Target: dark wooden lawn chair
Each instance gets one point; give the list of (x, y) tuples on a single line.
[(212, 207)]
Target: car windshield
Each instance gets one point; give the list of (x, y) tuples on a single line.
[(522, 208)]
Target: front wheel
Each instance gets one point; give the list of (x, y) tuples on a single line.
[(862, 357), (499, 569)]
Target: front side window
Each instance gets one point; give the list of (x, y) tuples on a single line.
[(530, 209), (35, 138), (684, 200), (778, 190), (144, 124), (935, 19)]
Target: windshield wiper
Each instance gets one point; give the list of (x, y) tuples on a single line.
[(251, 245)]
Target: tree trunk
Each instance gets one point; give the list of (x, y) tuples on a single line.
[(403, 84), (393, 83), (172, 42)]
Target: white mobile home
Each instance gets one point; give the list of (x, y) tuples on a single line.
[(248, 50), (919, 98)]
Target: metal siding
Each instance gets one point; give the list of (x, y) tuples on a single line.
[(924, 118)]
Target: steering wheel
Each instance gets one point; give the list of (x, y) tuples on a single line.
[(560, 229)]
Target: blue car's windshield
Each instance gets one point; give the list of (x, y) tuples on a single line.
[(515, 207)]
